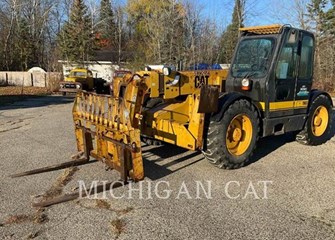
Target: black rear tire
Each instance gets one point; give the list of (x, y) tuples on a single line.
[(216, 150), (307, 136)]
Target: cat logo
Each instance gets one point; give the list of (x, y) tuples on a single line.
[(201, 79)]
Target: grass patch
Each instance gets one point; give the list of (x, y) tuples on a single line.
[(124, 211), (118, 226), (61, 181), (23, 91), (17, 219), (103, 204), (66, 176), (11, 94), (38, 217), (33, 235)]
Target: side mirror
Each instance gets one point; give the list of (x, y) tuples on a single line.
[(166, 71), (293, 36)]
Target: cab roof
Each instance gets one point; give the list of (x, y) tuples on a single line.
[(80, 70), (269, 29)]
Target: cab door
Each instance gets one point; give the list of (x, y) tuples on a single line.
[(282, 102), (305, 72)]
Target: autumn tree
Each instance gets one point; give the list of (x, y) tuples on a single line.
[(157, 29), (76, 39), (106, 31)]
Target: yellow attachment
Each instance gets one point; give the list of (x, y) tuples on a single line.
[(320, 121), (191, 81), (178, 123), (112, 123), (239, 135), (269, 29), (120, 78)]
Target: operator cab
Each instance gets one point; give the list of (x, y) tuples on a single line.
[(273, 66)]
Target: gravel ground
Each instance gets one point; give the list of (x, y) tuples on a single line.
[(298, 204)]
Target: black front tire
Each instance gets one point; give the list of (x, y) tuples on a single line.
[(216, 150)]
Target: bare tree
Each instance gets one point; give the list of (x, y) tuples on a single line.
[(120, 31), (26, 27), (293, 12), (11, 7), (94, 12), (192, 29)]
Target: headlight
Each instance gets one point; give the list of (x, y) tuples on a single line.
[(78, 86), (61, 85), (245, 84)]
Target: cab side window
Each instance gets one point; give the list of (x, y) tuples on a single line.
[(306, 58), (287, 58)]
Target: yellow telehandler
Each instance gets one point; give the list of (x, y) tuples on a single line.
[(266, 91)]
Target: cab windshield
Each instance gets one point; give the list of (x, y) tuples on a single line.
[(78, 74), (253, 58)]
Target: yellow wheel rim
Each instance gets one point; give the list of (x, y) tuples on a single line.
[(320, 121), (239, 135)]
